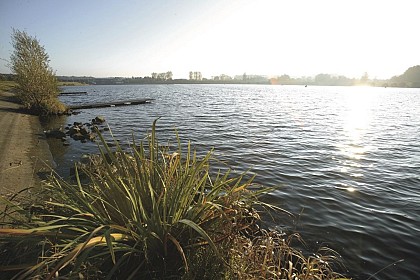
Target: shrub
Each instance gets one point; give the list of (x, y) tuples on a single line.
[(37, 85)]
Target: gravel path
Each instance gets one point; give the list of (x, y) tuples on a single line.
[(23, 148)]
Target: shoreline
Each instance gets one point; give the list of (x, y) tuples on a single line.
[(25, 154)]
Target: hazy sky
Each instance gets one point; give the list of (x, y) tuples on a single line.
[(296, 37)]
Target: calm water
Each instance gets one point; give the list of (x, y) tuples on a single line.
[(344, 160)]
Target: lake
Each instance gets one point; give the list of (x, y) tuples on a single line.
[(344, 160)]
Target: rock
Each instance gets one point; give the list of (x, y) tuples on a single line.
[(85, 158), (89, 160), (77, 124), (98, 120), (73, 130), (83, 130), (55, 133), (111, 144), (78, 136), (66, 143), (90, 136)]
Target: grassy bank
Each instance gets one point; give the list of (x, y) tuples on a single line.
[(150, 212), (10, 85), (7, 86)]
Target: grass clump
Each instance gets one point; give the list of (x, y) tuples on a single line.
[(147, 212)]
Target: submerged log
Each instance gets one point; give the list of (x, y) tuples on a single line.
[(110, 104)]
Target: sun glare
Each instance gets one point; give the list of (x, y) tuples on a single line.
[(357, 114), (357, 109), (351, 189)]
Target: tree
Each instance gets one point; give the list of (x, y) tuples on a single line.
[(410, 78), (161, 76), (37, 85), (168, 75), (365, 78), (412, 74), (322, 79)]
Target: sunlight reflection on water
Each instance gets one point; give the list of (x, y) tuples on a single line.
[(357, 116)]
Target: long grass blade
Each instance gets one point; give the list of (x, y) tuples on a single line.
[(202, 233)]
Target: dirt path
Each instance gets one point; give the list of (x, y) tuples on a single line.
[(23, 148)]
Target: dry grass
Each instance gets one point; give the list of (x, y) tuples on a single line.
[(270, 255)]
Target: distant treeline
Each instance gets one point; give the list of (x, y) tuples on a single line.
[(166, 78), (410, 78)]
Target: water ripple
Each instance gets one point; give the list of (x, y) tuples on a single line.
[(344, 160)]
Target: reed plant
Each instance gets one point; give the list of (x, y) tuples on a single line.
[(151, 212)]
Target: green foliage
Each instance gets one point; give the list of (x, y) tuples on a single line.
[(37, 85)]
